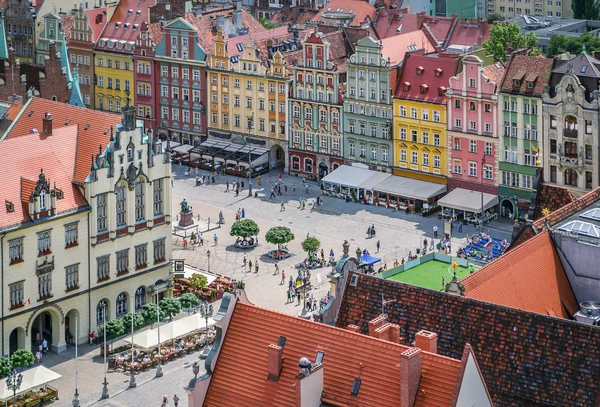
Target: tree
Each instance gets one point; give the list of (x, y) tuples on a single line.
[(188, 300), (5, 367), (114, 328), (279, 235), (148, 312), (311, 245), (492, 18), (22, 358), (573, 45), (170, 306), (138, 321), (197, 281), (585, 9), (269, 25), (504, 36), (244, 228)]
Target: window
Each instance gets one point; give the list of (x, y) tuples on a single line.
[(45, 286), (425, 136), (425, 159), (488, 128), (456, 167), (402, 134), (436, 139), (403, 156), (488, 148), (141, 256), (384, 154), (415, 157), (473, 169), (363, 151), (436, 116), (296, 163), (308, 139), (414, 136), (526, 181), (505, 178), (72, 277), (121, 206), (552, 122), (71, 234), (159, 250), (43, 242), (487, 172), (17, 293), (117, 84), (322, 116), (103, 267), (456, 143), (473, 125), (127, 86), (373, 130), (457, 123), (384, 132), (514, 179), (436, 161), (15, 250), (413, 113), (249, 103), (457, 103), (352, 148), (335, 143), (335, 117), (472, 146), (101, 212), (308, 113), (373, 153), (472, 83), (121, 305), (534, 108), (308, 165), (186, 94), (424, 114), (487, 108), (472, 106), (403, 111), (101, 312)]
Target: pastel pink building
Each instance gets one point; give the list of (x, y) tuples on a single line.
[(473, 126)]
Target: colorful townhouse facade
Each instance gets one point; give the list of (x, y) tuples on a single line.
[(19, 25), (246, 99), (520, 129), (420, 138), (144, 79), (473, 126), (316, 108), (180, 65), (113, 55), (570, 124), (52, 30), (368, 108)]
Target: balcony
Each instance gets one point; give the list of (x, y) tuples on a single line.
[(570, 133)]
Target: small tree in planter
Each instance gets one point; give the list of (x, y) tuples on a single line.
[(148, 312), (188, 300), (114, 328), (279, 235), (5, 367), (138, 321), (197, 281), (311, 245), (22, 358), (244, 228), (171, 306)]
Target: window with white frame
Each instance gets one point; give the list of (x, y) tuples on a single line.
[(487, 172), (384, 154), (456, 167), (103, 267), (43, 242), (308, 113), (436, 139), (121, 198), (71, 234), (335, 143), (414, 114), (101, 212), (424, 114), (15, 250), (296, 163), (159, 250), (72, 276), (473, 169), (426, 159), (352, 147), (436, 116), (472, 83), (45, 286), (415, 157), (425, 136), (514, 179), (403, 111), (363, 151), (472, 146), (121, 305), (402, 134), (473, 125), (457, 123), (373, 153), (17, 293), (436, 161), (122, 261), (526, 181), (141, 256), (528, 157), (308, 139), (487, 127), (323, 141), (323, 116), (403, 155), (488, 148)]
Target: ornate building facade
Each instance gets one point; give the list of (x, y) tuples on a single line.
[(19, 25)]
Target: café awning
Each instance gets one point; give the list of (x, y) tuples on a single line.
[(410, 188), (369, 260), (32, 379), (184, 149), (355, 177), (376, 178), (468, 200)]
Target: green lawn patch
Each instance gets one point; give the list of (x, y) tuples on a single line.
[(429, 275)]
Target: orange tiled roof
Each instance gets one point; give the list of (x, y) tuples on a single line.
[(96, 26), (396, 47), (568, 210), (470, 32), (242, 366), (156, 32), (495, 73), (360, 9), (394, 22), (22, 159), (530, 277), (88, 140)]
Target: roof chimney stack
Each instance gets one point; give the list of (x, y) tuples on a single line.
[(47, 124), (426, 341), (275, 362), (376, 323), (309, 384), (410, 376)]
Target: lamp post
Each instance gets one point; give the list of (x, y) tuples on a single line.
[(132, 382), (196, 370), (206, 311), (76, 396), (159, 371), (250, 127), (304, 277), (13, 382), (208, 255), (482, 175), (105, 393)]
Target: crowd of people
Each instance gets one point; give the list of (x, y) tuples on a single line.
[(479, 241)]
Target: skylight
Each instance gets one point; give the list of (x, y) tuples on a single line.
[(593, 214), (581, 228), (584, 68)]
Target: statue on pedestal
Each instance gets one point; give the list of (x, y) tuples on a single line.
[(184, 206)]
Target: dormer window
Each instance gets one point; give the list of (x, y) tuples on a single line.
[(420, 70), (423, 89), (406, 86), (441, 91), (42, 201), (438, 72), (516, 83), (130, 154), (529, 84)]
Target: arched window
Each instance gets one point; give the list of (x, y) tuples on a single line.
[(121, 304), (308, 165), (54, 98), (140, 298), (139, 200), (101, 311), (335, 166), (296, 163), (121, 206)]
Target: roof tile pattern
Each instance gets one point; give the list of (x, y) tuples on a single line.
[(121, 26), (526, 68), (97, 24), (396, 47), (568, 210), (361, 10), (530, 278), (242, 366), (527, 359), (88, 141), (435, 80), (552, 197)]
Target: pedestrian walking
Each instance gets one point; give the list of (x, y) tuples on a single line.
[(276, 268), (282, 278), (249, 266), (216, 239), (272, 196), (243, 213), (285, 188), (237, 190), (331, 255), (289, 296), (172, 184), (435, 231), (378, 245), (38, 356), (227, 184), (175, 400), (256, 266), (282, 207), (165, 402), (303, 203), (306, 187), (291, 282), (280, 177), (294, 188), (184, 243), (322, 254), (245, 259), (460, 227), (279, 190), (201, 238), (45, 345)]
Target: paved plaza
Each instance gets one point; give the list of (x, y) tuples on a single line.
[(331, 223)]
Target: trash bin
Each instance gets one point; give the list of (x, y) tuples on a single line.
[(112, 364), (242, 184), (103, 350)]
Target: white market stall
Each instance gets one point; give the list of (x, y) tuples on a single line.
[(33, 379), (148, 339), (348, 180), (401, 193), (466, 201)]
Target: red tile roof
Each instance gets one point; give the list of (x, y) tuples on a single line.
[(396, 47), (427, 78), (552, 198), (121, 25), (156, 32), (469, 33), (22, 159), (530, 277), (389, 22), (439, 27), (242, 366), (293, 15), (359, 8), (568, 210), (88, 140), (526, 68), (96, 27), (495, 73)]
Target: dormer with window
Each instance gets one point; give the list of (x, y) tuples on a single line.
[(406, 86), (441, 91), (516, 83), (423, 89), (40, 197), (420, 70), (438, 72)]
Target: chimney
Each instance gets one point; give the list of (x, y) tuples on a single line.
[(275, 362), (309, 385), (410, 376), (383, 332), (420, 19), (394, 333), (426, 341), (353, 328), (99, 17), (237, 19), (220, 22), (47, 124), (376, 323)]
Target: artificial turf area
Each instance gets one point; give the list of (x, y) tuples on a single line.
[(429, 274)]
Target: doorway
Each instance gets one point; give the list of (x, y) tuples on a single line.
[(323, 170), (43, 325), (16, 340)]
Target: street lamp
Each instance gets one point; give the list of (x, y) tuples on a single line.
[(13, 382), (76, 396), (196, 370), (206, 311), (250, 127), (482, 173), (208, 255), (159, 371), (132, 382), (304, 275), (105, 393)]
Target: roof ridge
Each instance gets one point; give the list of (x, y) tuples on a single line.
[(509, 253), (564, 212)]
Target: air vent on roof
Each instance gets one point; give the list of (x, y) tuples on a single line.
[(137, 13), (117, 24), (355, 387), (106, 131), (354, 280), (129, 11), (33, 131), (67, 122), (281, 341), (87, 126), (319, 358), (30, 113), (399, 30)]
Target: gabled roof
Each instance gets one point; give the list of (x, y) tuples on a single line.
[(526, 69), (530, 277), (242, 366), (338, 48), (96, 25), (527, 359), (294, 15), (396, 47), (495, 73), (394, 22), (359, 8), (469, 33), (22, 159), (551, 198), (583, 65), (439, 27), (568, 210), (124, 26), (427, 78), (98, 132)]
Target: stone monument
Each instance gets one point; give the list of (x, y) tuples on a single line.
[(186, 216)]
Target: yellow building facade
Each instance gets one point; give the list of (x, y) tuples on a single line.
[(420, 145), (114, 79), (247, 99)]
